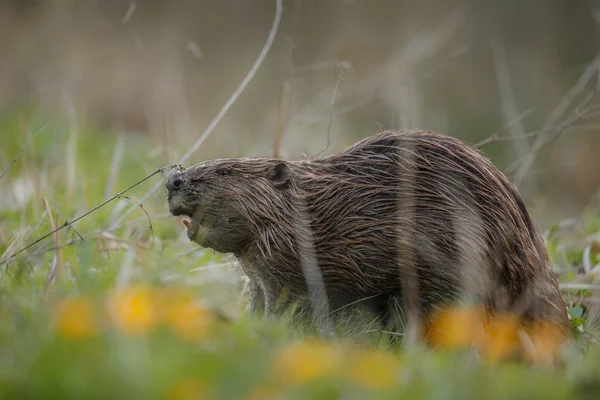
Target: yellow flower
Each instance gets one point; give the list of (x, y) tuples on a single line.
[(501, 337), (189, 389), (132, 311), (168, 299), (455, 327), (192, 321), (374, 370), (305, 361), (75, 318)]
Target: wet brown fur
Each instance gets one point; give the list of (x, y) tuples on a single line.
[(414, 218)]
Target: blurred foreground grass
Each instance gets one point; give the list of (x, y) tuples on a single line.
[(142, 313)]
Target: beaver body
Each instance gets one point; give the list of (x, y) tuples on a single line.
[(413, 218)]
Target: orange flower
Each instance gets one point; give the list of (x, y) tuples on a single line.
[(374, 370), (501, 338), (132, 311), (75, 318), (305, 361), (456, 327), (545, 340), (189, 389), (168, 299)]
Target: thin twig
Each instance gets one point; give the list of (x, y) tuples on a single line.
[(67, 223), (578, 286), (341, 72), (285, 96), (75, 230), (552, 121), (150, 228), (547, 136), (494, 137), (560, 167), (97, 234), (25, 147), (337, 83), (222, 112)]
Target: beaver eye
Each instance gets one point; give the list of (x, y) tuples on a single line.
[(223, 172)]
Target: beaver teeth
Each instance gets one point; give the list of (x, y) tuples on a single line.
[(187, 223)]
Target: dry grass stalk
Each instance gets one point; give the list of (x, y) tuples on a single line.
[(58, 269)]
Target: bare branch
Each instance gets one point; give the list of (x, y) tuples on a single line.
[(222, 112), (548, 129), (544, 138), (341, 72), (494, 137)]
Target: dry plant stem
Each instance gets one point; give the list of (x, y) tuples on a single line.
[(222, 112), (117, 157), (67, 223), (341, 69), (97, 234), (71, 156), (285, 96), (25, 147), (494, 137), (548, 137), (558, 112), (75, 230), (507, 95), (578, 286), (150, 228), (337, 84), (284, 104), (435, 40), (130, 10), (53, 272)]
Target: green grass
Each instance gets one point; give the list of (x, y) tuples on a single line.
[(237, 355)]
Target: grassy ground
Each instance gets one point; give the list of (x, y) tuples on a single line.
[(142, 313)]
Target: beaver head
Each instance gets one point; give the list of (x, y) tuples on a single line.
[(226, 200)]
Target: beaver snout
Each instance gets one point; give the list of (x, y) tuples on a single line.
[(174, 182), (176, 195)]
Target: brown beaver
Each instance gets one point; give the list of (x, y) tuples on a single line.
[(413, 218)]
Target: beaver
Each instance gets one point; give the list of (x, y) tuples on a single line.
[(413, 219)]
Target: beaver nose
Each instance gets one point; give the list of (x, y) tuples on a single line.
[(174, 182)]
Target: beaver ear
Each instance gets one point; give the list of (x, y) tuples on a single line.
[(279, 175)]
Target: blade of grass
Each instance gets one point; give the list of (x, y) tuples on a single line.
[(25, 147), (54, 272)]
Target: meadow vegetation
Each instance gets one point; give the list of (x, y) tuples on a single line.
[(140, 312)]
